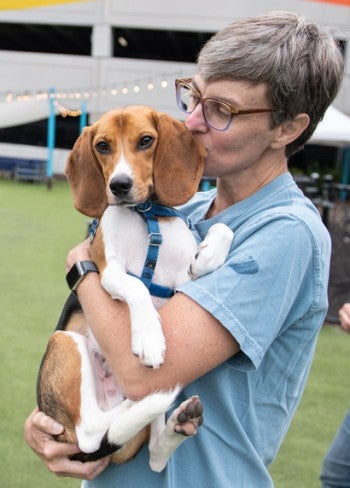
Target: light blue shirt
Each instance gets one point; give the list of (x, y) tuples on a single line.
[(271, 295)]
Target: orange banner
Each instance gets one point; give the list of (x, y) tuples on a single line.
[(337, 2), (20, 4)]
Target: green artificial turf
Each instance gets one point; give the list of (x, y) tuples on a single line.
[(38, 227), (322, 408)]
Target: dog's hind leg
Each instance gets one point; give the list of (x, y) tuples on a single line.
[(165, 438), (67, 392), (58, 384), (136, 415)]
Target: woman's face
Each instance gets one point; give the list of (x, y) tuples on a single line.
[(247, 141)]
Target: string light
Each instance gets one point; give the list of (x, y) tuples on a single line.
[(65, 112), (88, 93), (76, 95)]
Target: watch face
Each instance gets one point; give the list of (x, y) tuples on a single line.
[(78, 271), (73, 277)]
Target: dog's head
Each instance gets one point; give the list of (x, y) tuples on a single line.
[(132, 154)]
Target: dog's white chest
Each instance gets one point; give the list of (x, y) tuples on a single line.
[(126, 240)]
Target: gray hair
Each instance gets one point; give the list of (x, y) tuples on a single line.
[(301, 64)]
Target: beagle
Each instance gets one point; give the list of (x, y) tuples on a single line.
[(132, 162)]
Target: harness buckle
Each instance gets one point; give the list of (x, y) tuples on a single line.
[(155, 239), (144, 207)]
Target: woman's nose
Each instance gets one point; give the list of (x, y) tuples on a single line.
[(195, 122)]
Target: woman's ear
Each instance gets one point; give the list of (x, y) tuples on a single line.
[(289, 130), (178, 163), (85, 176)]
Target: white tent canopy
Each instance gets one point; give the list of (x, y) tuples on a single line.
[(333, 130), (21, 112)]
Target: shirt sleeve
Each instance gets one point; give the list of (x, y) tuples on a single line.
[(266, 282)]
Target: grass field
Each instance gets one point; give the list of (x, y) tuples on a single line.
[(38, 226)]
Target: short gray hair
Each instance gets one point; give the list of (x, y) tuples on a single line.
[(301, 64)]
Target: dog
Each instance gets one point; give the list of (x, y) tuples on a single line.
[(128, 170)]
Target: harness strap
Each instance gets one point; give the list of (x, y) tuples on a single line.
[(92, 229), (150, 211), (155, 290)]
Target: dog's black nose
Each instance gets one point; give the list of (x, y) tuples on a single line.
[(120, 185)]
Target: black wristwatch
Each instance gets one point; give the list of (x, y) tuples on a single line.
[(78, 271)]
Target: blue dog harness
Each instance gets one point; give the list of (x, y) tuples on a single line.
[(150, 211)]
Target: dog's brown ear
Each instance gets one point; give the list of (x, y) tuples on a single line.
[(85, 176), (178, 163)]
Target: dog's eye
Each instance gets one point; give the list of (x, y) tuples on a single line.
[(103, 147), (145, 142)]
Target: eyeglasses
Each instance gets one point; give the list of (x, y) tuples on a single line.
[(217, 113)]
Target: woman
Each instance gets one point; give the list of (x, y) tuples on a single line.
[(243, 337)]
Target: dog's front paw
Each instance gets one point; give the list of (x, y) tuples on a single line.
[(148, 342), (212, 252), (186, 419)]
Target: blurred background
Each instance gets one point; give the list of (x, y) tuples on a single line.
[(88, 57), (63, 63)]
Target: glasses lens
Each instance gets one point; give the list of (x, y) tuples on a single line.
[(217, 114), (186, 98)]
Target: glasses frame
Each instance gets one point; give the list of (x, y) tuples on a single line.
[(188, 83)]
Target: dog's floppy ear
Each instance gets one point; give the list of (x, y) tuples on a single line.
[(85, 176), (178, 163)]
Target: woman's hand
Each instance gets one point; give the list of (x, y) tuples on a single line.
[(81, 252), (344, 317), (39, 430)]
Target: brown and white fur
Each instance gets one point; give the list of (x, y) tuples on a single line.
[(128, 156)]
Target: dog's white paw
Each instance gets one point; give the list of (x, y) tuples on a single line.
[(148, 342), (212, 252), (182, 423)]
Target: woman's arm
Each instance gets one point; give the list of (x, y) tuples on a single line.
[(196, 342)]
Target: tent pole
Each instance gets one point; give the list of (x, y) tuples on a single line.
[(83, 117), (51, 128)]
